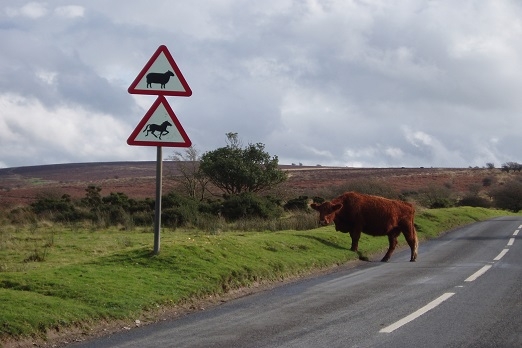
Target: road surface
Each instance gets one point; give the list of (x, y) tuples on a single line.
[(465, 290)]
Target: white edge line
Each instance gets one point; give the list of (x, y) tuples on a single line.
[(511, 241), (417, 313), (501, 255), (478, 273)]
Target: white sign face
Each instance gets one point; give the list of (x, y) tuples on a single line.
[(160, 127), (161, 76)]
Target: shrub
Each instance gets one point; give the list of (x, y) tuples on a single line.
[(58, 209), (508, 196), (143, 218), (487, 181), (475, 201), (178, 210), (249, 205), (436, 197), (300, 203), (178, 216)]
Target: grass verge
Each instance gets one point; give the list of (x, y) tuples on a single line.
[(53, 278)]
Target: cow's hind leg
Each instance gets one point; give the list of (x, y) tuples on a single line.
[(413, 242), (392, 239)]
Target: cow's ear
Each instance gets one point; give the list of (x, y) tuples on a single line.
[(314, 206), (337, 207)]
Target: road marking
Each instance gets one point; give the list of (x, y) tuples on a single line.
[(478, 273), (501, 255), (417, 313), (444, 297)]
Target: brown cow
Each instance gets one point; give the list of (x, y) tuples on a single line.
[(377, 216)]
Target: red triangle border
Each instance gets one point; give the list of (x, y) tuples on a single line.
[(160, 100), (161, 49)]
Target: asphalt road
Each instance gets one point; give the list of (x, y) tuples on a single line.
[(465, 290)]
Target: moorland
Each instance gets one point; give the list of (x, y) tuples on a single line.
[(66, 282)]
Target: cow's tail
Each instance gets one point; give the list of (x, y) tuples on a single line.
[(415, 240), (146, 127)]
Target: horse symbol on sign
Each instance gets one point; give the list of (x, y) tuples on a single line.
[(153, 128)]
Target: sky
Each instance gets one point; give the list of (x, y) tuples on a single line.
[(350, 83)]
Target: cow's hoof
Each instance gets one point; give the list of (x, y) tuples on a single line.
[(413, 260), (385, 260)]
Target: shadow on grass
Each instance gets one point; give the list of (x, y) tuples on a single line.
[(363, 257), (325, 242), (328, 243)]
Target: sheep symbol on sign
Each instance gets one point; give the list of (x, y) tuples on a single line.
[(161, 78)]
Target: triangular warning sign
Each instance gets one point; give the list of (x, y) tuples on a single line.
[(160, 127), (161, 76)]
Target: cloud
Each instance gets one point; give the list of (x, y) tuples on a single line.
[(70, 11), (380, 83), (29, 130), (31, 10)]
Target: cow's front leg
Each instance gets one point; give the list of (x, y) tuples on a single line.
[(355, 240), (392, 240)]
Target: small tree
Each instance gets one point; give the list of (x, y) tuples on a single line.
[(191, 178), (93, 197), (235, 169), (514, 166)]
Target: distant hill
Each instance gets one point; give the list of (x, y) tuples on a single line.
[(21, 185)]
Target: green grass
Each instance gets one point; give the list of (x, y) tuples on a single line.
[(55, 277)]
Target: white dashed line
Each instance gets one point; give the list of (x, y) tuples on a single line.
[(501, 255), (478, 273), (444, 297), (417, 313)]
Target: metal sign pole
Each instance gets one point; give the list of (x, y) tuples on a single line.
[(157, 210)]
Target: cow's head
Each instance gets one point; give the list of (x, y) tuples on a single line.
[(327, 211)]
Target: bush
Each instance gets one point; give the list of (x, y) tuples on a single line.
[(178, 216), (57, 209), (475, 201), (143, 218), (436, 197), (249, 205), (178, 210), (508, 196), (300, 203), (487, 181)]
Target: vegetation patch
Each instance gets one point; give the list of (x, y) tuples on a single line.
[(82, 275)]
